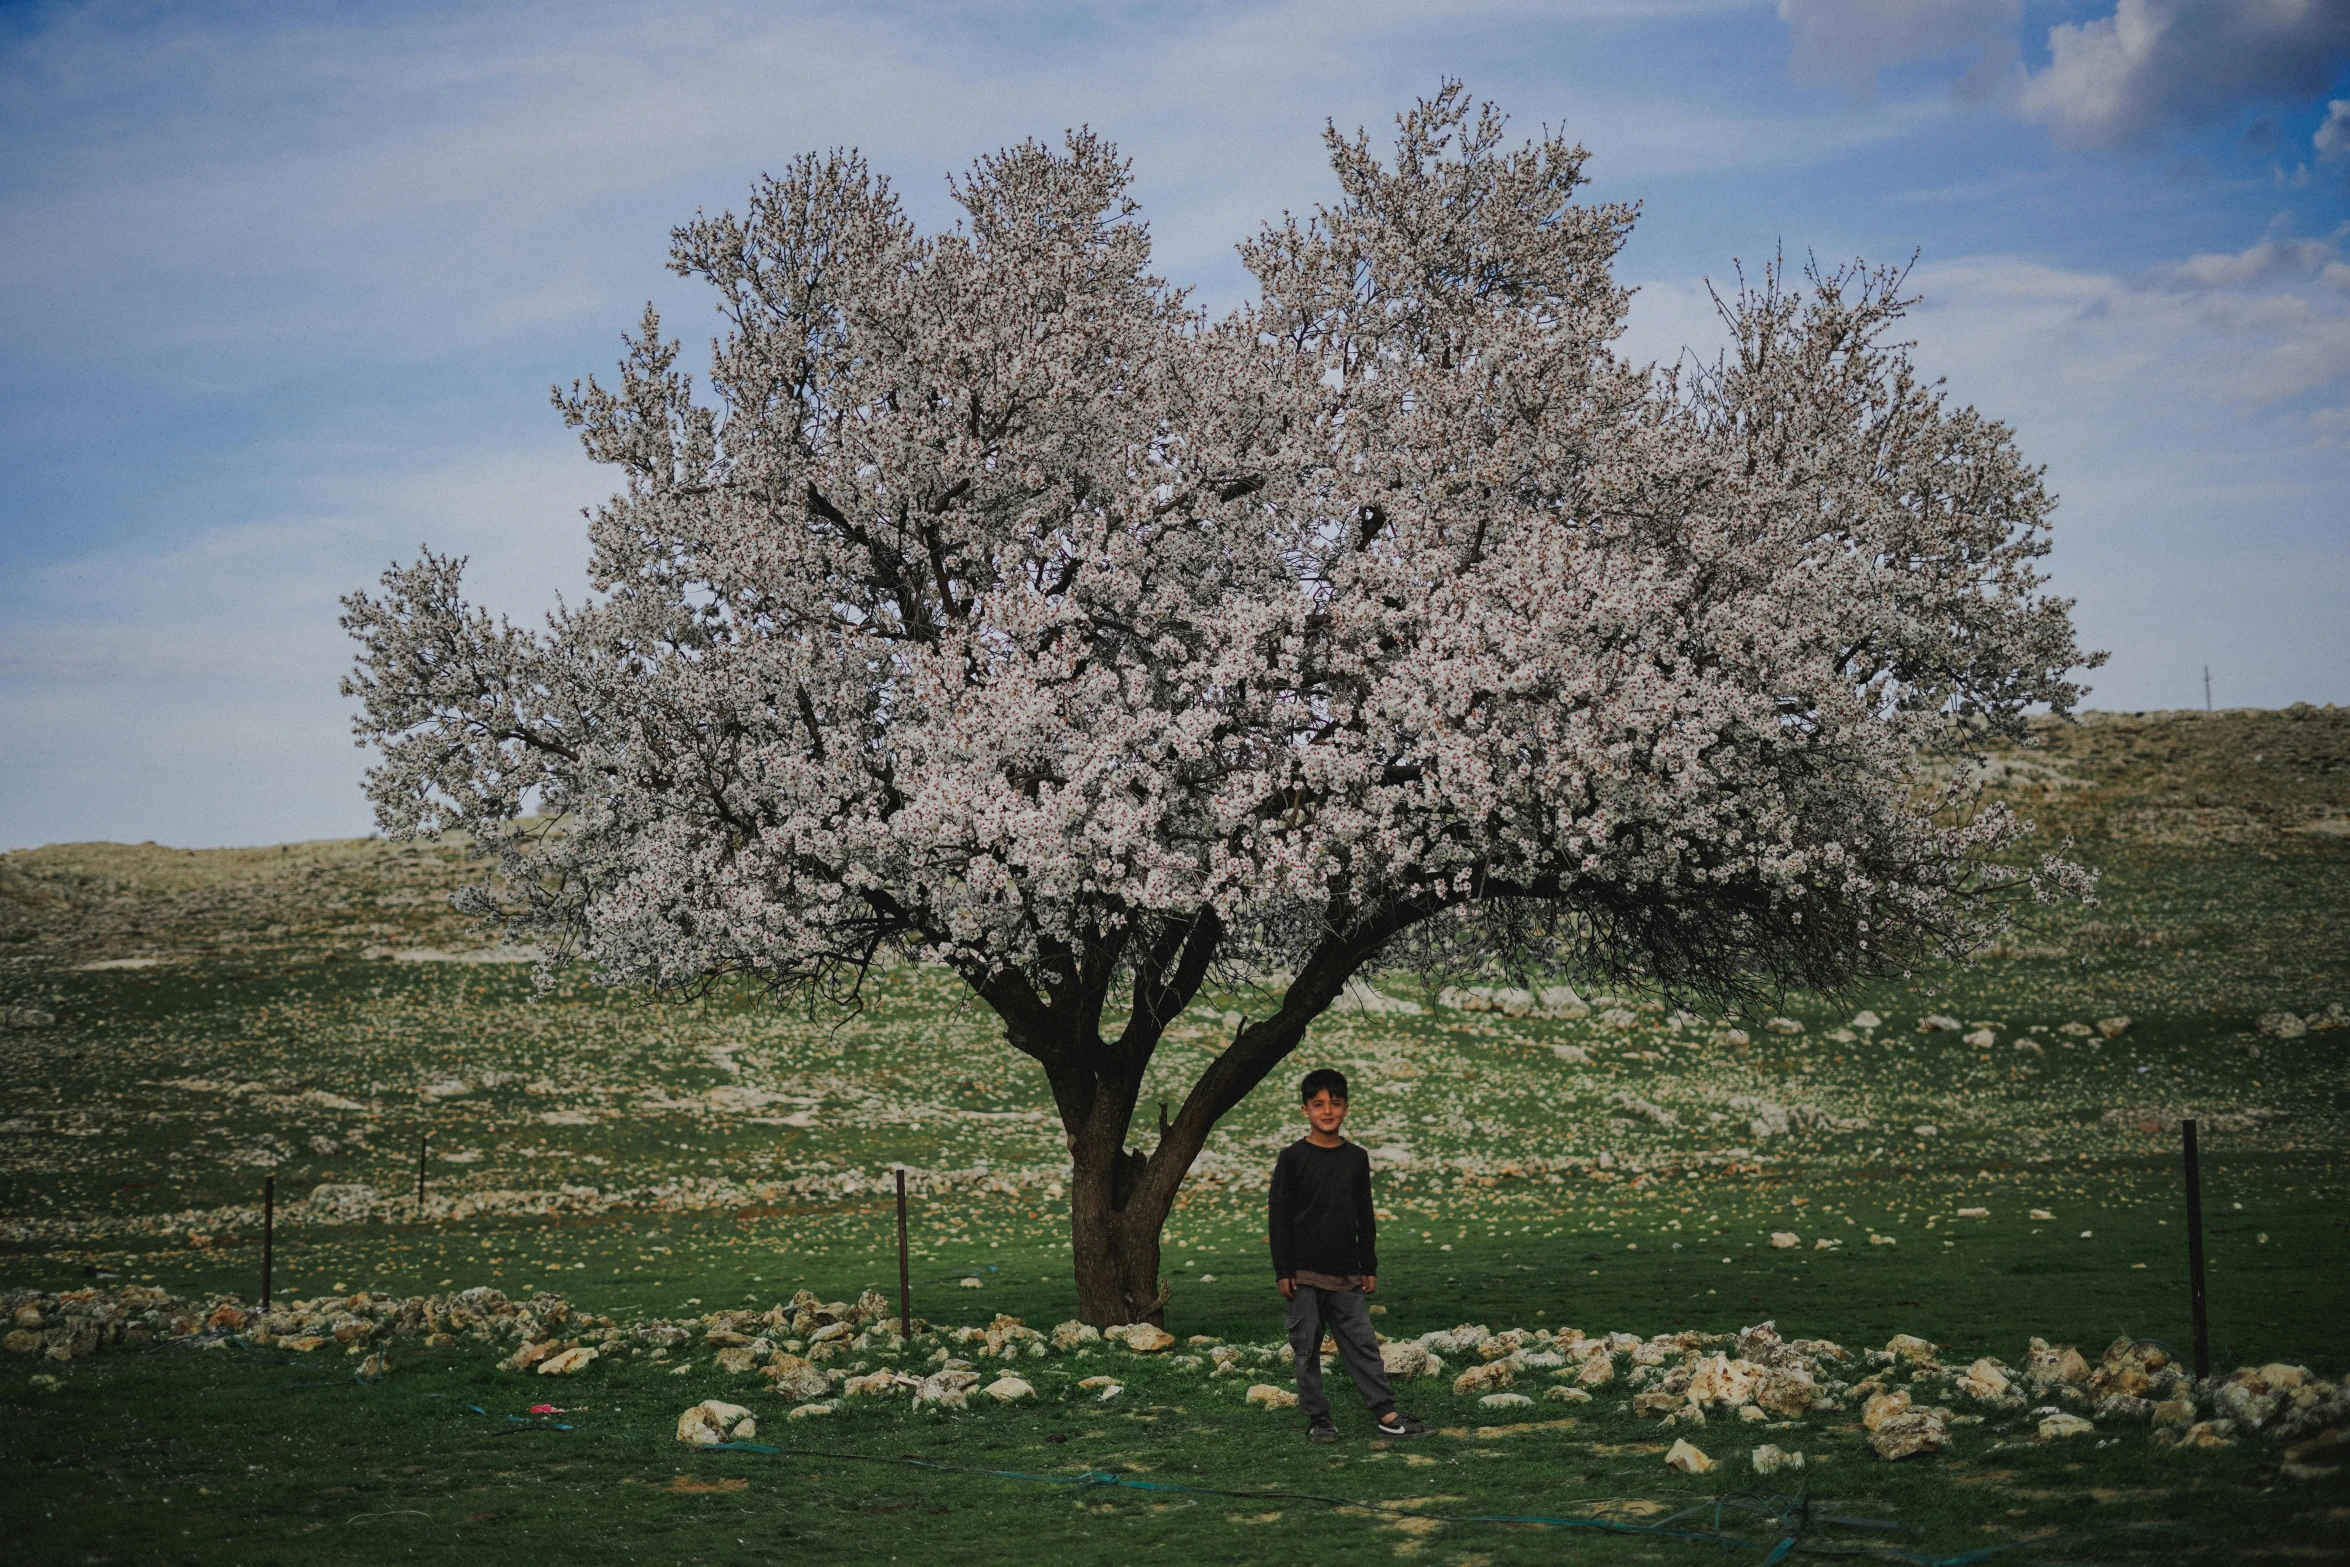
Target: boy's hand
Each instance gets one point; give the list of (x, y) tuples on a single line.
[(1370, 1283), (1288, 1288)]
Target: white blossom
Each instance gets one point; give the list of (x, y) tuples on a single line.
[(1001, 609)]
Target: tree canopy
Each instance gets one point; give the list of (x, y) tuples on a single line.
[(1001, 610)]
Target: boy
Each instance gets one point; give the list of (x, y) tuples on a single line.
[(1326, 1259)]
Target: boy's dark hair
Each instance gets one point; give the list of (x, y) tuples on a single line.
[(1321, 1079)]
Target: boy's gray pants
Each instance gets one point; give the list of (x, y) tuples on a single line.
[(1348, 1319)]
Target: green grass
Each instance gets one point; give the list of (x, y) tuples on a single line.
[(255, 1458), (649, 1161)]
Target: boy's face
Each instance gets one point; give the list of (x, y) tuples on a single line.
[(1326, 1112)]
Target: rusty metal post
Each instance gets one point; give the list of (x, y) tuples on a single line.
[(2202, 1321), (905, 1272), (268, 1233)]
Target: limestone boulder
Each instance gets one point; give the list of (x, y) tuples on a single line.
[(713, 1421), (797, 1379), (1490, 1377), (1686, 1459), (1908, 1434)]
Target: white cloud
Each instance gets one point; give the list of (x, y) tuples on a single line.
[(1848, 42), (2333, 135), (2114, 80), (2157, 64)]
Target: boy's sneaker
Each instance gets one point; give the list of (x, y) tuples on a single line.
[(1397, 1423), (1322, 1431)]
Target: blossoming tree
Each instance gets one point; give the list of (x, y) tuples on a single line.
[(1003, 612)]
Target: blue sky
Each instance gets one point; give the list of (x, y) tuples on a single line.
[(283, 288)]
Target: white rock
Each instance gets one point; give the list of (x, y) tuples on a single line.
[(809, 1411), (1508, 1400), (1007, 1390), (1769, 1459), (1784, 1025), (1982, 1039), (569, 1363), (2060, 1425), (1784, 1240), (1688, 1460), (1405, 1359), (712, 1421), (1566, 1395), (1867, 1020), (1266, 1396)]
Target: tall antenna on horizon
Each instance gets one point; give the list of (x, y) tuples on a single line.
[(2207, 688)]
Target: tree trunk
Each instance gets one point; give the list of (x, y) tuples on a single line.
[(1115, 1248), (1119, 1198)]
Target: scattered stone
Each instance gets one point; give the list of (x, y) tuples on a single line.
[(1491, 1377), (1784, 1025), (950, 1387), (2048, 1365), (2060, 1425), (1769, 1459), (1407, 1360), (1785, 1240), (1598, 1371), (1265, 1395), (878, 1384), (2209, 1434), (1008, 1390), (1867, 1020), (737, 1359), (1566, 1395), (1723, 1383), (569, 1363), (528, 1355), (1687, 1459), (808, 1411), (1936, 1023), (796, 1378), (1143, 1338), (2283, 1025), (1974, 1213), (2112, 1027), (712, 1421), (1506, 1401), (1069, 1335), (1982, 1039), (1909, 1347), (1986, 1379), (1907, 1434)]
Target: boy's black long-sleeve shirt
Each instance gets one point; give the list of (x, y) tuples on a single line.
[(1321, 1211)]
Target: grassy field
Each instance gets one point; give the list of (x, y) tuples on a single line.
[(185, 1024)]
